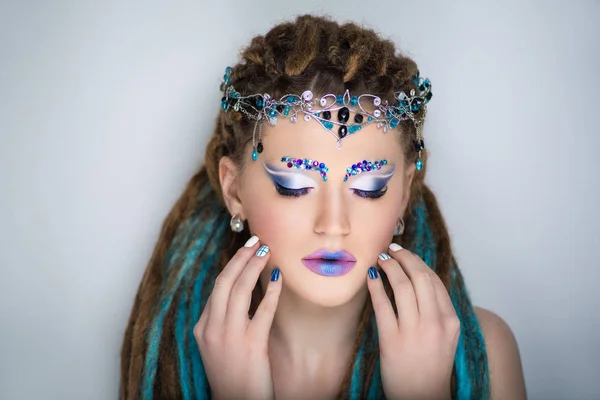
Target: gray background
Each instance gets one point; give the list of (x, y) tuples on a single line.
[(105, 109)]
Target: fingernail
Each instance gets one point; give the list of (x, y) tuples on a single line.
[(275, 275), (252, 241), (384, 256), (262, 251), (395, 247), (372, 273)]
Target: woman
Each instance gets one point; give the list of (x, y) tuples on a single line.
[(308, 259)]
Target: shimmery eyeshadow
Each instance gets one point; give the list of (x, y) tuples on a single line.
[(288, 179)]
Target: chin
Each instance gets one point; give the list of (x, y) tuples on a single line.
[(325, 291)]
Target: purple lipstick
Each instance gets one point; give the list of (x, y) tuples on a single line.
[(328, 263)]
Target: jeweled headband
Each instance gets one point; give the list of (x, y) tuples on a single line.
[(368, 109)]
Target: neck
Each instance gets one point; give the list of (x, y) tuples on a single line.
[(306, 334)]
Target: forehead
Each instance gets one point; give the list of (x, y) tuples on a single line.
[(308, 139)]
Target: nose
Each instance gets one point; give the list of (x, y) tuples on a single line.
[(332, 215)]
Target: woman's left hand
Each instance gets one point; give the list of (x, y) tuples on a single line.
[(417, 347)]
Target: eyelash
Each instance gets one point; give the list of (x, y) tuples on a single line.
[(366, 194)]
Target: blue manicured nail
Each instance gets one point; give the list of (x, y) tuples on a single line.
[(264, 249), (372, 273), (275, 275), (384, 256)]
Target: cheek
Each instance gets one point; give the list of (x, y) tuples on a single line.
[(275, 219), (375, 225)]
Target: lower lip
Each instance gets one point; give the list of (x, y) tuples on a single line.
[(329, 267)]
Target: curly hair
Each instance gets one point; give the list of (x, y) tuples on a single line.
[(160, 358)]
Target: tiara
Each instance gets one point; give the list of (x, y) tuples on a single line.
[(332, 111)]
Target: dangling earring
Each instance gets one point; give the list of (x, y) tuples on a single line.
[(399, 227), (236, 223)]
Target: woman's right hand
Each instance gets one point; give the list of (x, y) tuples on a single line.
[(235, 348)]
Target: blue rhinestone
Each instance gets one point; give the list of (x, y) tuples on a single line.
[(259, 103), (321, 165), (419, 164), (354, 166), (308, 167), (370, 119), (394, 123), (384, 162), (340, 99), (283, 159), (286, 111), (273, 113), (328, 125), (254, 155), (354, 100), (348, 170), (228, 70), (224, 105), (325, 178)]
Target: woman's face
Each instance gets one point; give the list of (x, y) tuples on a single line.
[(323, 235)]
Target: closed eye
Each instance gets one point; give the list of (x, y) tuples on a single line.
[(284, 191), (371, 194)]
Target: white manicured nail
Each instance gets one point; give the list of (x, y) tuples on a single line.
[(395, 247), (252, 241)]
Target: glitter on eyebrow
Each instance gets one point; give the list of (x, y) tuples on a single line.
[(364, 166), (307, 164)]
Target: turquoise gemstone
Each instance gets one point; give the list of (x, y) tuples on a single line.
[(286, 111), (328, 125), (340, 99), (224, 105), (254, 155), (394, 123), (419, 164), (354, 100)]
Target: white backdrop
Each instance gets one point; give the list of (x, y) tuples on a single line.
[(105, 109)]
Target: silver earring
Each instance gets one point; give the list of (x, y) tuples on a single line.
[(236, 223), (399, 227)]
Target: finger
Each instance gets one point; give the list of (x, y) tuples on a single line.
[(443, 297), (404, 293), (384, 312), (203, 321), (241, 293), (419, 274), (261, 323), (226, 279)]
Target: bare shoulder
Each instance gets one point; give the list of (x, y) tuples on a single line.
[(505, 369)]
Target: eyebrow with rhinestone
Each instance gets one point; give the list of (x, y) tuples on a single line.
[(307, 164), (364, 166)]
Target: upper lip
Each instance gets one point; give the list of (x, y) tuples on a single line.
[(336, 255)]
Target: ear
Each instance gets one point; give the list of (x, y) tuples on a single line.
[(409, 174), (228, 176)]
